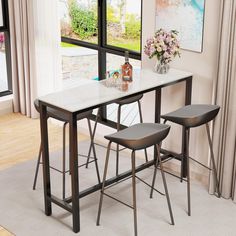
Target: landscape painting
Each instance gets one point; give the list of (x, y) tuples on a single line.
[(185, 16)]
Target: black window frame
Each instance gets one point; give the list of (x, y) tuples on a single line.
[(102, 47), (6, 30)]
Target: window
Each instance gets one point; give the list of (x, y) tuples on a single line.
[(98, 27), (124, 24), (79, 20), (95, 35), (5, 75)]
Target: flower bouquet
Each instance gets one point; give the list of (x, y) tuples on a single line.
[(164, 46)]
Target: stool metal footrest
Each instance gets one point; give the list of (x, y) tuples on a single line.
[(149, 185), (116, 199), (101, 145), (200, 163), (167, 172)]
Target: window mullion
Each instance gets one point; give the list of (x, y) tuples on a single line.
[(101, 42)]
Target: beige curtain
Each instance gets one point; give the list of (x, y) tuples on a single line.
[(35, 49), (224, 135), (23, 56)]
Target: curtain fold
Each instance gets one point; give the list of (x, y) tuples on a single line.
[(23, 60), (35, 51), (224, 135)]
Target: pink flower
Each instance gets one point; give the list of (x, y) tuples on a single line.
[(164, 45), (2, 38)]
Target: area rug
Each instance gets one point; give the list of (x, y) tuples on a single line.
[(22, 209)]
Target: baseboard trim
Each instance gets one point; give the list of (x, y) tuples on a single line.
[(6, 105)]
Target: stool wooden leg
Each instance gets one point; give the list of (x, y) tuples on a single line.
[(37, 166), (141, 121), (217, 185), (64, 162), (158, 147), (188, 171), (134, 193), (117, 146), (103, 183), (94, 152)]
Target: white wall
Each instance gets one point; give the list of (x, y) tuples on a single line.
[(203, 66)]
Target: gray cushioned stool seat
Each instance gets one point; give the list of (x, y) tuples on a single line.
[(129, 100), (61, 115), (193, 115), (140, 136)]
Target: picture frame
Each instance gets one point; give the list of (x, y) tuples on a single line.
[(185, 16)]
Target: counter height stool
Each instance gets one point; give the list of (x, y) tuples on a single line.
[(121, 102), (189, 117), (58, 115), (137, 137)]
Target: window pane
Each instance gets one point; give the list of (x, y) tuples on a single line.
[(3, 65), (129, 114), (1, 14), (79, 19), (124, 23), (114, 62), (78, 62)]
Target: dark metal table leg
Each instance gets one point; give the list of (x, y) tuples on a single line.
[(134, 194), (188, 171), (183, 173), (45, 159), (141, 121), (188, 99), (157, 110), (74, 173)]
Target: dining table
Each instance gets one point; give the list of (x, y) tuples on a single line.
[(92, 95)]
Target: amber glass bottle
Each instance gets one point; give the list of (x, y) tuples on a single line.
[(127, 69)]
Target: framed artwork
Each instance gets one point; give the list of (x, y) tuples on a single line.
[(1, 14), (185, 16)]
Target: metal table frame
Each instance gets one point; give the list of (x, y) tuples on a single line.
[(72, 204)]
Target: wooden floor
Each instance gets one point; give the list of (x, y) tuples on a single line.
[(20, 139), (20, 136), (4, 232)]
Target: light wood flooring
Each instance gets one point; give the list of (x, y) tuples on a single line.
[(4, 232), (20, 139)]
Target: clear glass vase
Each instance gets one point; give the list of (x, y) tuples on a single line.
[(161, 68)]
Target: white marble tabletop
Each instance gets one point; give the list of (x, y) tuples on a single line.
[(94, 93)]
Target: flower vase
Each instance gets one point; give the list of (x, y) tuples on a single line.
[(161, 68)]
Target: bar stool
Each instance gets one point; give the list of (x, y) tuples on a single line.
[(189, 117), (120, 103), (62, 117), (136, 137)]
